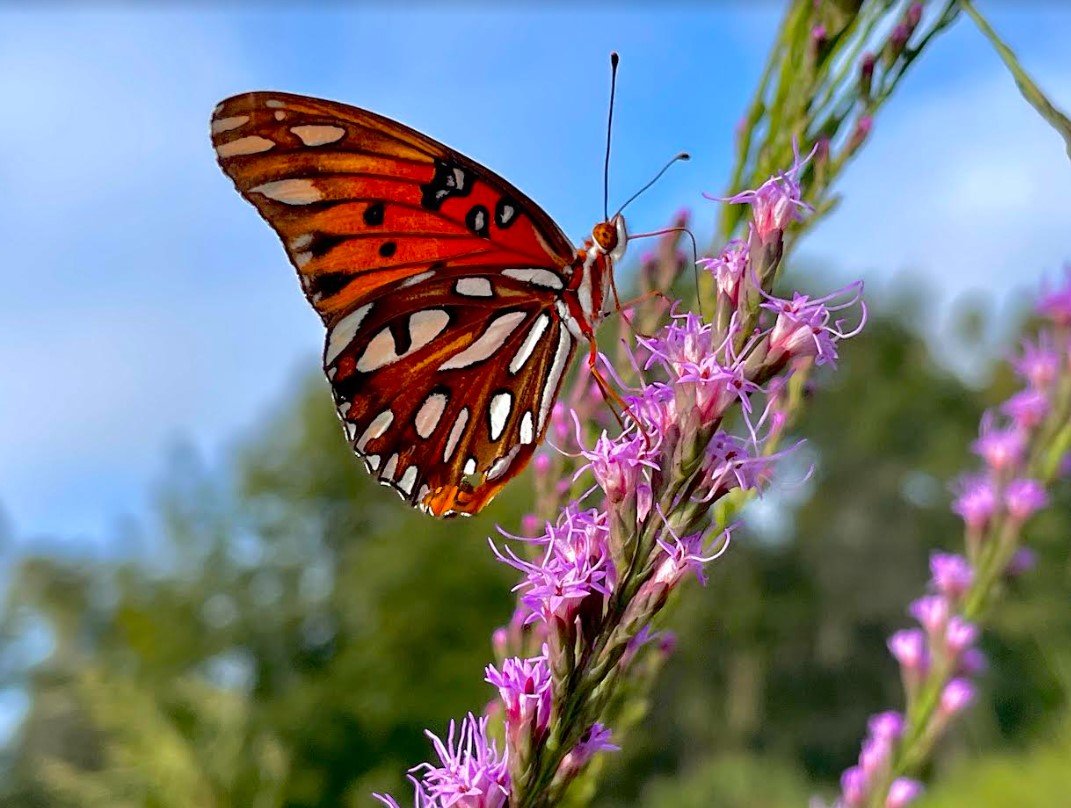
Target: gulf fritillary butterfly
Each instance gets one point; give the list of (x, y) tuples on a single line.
[(453, 303)]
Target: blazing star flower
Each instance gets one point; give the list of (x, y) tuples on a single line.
[(908, 646), (596, 738), (618, 463), (889, 724), (1001, 448), (1023, 498), (525, 688), (952, 574), (932, 612), (471, 772), (776, 203), (1027, 408), (420, 798), (874, 755), (960, 635), (654, 410), (976, 502), (687, 554), (729, 268), (802, 327), (853, 787), (956, 697), (1056, 305), (1039, 363), (575, 566), (903, 792)]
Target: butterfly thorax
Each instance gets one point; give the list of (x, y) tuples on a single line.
[(590, 275)]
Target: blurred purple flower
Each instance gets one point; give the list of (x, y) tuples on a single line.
[(952, 574), (976, 501), (903, 792), (1001, 448), (1023, 498)]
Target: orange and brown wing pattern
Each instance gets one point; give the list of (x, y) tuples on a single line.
[(438, 282), (361, 201)]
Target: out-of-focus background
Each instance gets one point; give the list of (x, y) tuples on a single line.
[(204, 600)]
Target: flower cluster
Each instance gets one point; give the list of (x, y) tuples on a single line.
[(1020, 445), (704, 408)]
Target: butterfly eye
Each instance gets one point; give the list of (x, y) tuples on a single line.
[(605, 235)]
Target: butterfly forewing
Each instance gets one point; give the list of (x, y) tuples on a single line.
[(435, 279)]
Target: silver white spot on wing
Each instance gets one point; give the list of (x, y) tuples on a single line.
[(290, 192), (502, 464), (386, 477), (227, 124), (499, 412), (379, 425), (382, 350), (318, 135), (527, 428), (554, 375), (413, 281), (372, 461), (470, 466), (530, 340), (474, 287), (488, 342), (455, 434), (427, 418), (274, 104), (536, 277), (253, 144), (301, 242), (280, 115), (342, 333), (302, 258), (408, 480)]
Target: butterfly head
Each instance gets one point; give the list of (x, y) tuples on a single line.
[(611, 238)]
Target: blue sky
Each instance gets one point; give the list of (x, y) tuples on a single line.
[(144, 303)]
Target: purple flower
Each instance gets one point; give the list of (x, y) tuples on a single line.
[(729, 268), (960, 635), (977, 500), (956, 697), (617, 463), (575, 566), (874, 755), (1056, 305), (972, 662), (1039, 362), (654, 410), (1002, 449), (595, 738), (1027, 408), (1021, 562), (802, 326), (932, 612), (952, 574), (525, 688), (889, 724), (909, 647), (1023, 498), (776, 203), (903, 792), (687, 554), (728, 465), (853, 787), (471, 772)]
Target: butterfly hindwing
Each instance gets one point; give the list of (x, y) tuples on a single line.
[(434, 277), (445, 394)]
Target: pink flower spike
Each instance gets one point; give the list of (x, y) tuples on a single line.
[(956, 697), (932, 612), (1027, 408), (1023, 498), (729, 268), (1039, 363), (960, 635), (908, 646), (472, 772), (976, 501), (595, 738), (853, 787), (903, 792), (874, 756), (952, 574), (1056, 305), (803, 329), (524, 685), (1001, 448), (777, 202), (889, 725), (689, 554)]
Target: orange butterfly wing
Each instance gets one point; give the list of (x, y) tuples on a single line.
[(437, 281)]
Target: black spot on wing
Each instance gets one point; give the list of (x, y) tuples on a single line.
[(327, 284), (505, 212), (373, 214), (387, 249), (449, 180)]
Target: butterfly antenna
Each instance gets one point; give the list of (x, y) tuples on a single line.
[(614, 59), (680, 157)]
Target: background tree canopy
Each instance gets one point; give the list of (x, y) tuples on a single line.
[(286, 631)]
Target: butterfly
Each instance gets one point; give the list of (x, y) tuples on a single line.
[(453, 304)]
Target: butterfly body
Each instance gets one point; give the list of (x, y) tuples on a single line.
[(453, 304)]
